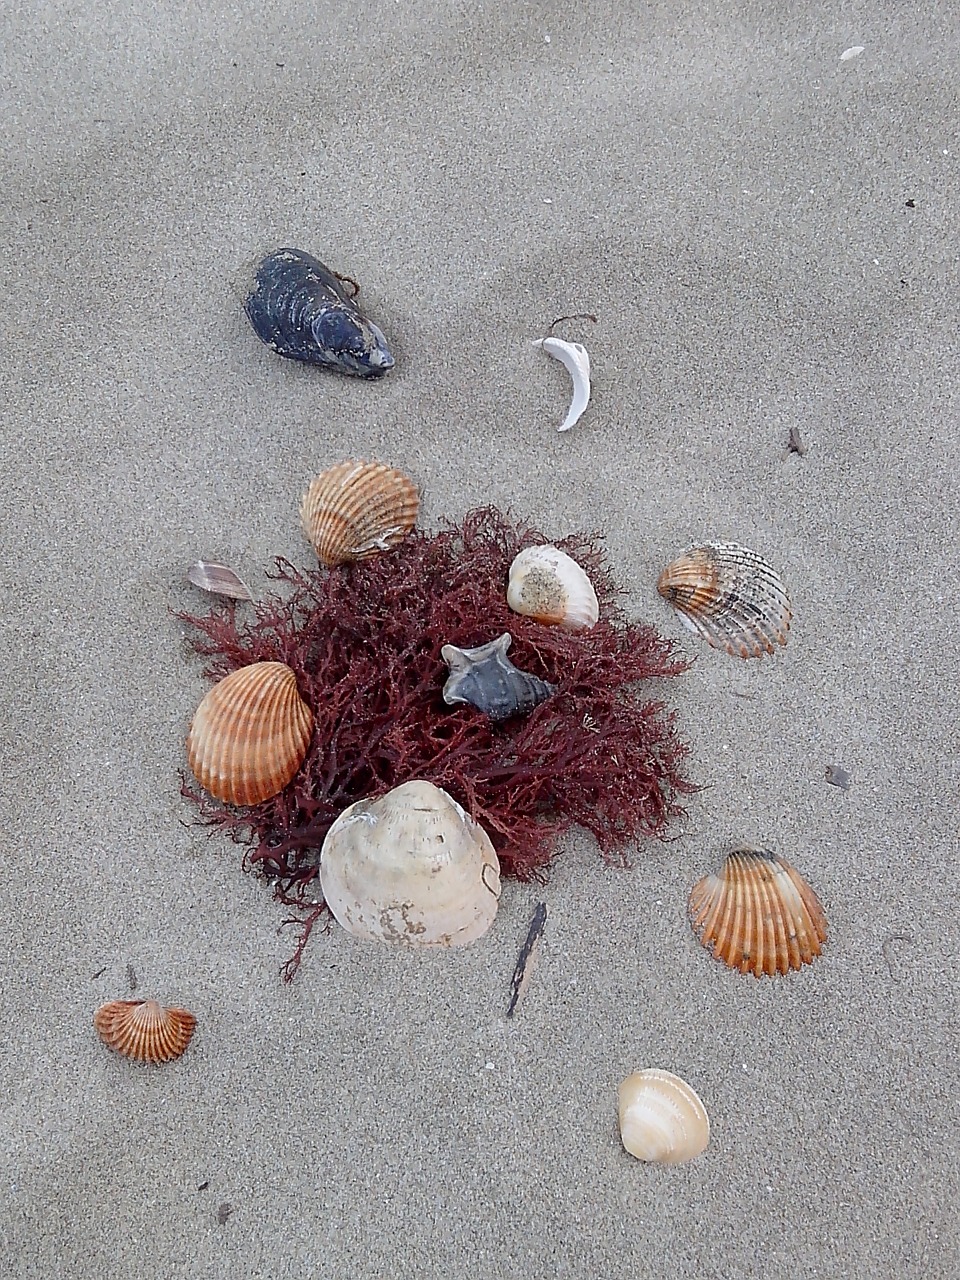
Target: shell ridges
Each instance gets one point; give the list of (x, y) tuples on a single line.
[(249, 734), (357, 509), (758, 915), (144, 1030), (731, 596)]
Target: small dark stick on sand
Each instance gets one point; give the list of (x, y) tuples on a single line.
[(577, 315), (794, 443), (525, 962)]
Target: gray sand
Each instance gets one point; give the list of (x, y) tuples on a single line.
[(731, 200)]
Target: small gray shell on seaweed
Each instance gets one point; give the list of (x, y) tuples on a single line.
[(486, 679), (300, 309)]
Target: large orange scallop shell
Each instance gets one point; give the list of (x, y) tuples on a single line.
[(758, 915), (729, 595), (357, 509), (144, 1030), (249, 734)]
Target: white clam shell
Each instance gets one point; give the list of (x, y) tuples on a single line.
[(411, 868), (547, 584), (661, 1118), (576, 360)]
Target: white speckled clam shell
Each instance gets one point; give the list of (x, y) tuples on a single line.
[(547, 584), (411, 868)]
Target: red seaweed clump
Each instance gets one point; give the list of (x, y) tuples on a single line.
[(364, 641)]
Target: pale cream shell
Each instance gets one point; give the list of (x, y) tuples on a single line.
[(411, 868), (729, 595), (250, 734), (357, 509), (144, 1030), (758, 915), (547, 584), (661, 1118)]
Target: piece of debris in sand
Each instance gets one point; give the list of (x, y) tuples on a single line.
[(794, 443), (837, 776), (218, 579), (525, 962)]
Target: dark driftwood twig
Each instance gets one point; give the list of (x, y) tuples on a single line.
[(528, 953)]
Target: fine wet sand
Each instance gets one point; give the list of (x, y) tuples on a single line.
[(767, 236)]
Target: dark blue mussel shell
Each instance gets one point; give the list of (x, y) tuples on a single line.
[(301, 310)]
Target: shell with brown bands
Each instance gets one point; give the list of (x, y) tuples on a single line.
[(250, 734), (144, 1030), (758, 915), (357, 509), (729, 595)]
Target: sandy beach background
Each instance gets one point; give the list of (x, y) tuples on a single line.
[(768, 237)]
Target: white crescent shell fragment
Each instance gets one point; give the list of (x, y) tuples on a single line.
[(854, 51), (575, 358)]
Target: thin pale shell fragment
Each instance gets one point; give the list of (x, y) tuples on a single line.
[(758, 915), (218, 579), (527, 959), (576, 360), (729, 595), (854, 51), (661, 1118), (144, 1030)]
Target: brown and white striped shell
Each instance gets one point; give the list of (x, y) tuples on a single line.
[(144, 1030), (758, 915), (661, 1117), (357, 509), (729, 595), (250, 734)]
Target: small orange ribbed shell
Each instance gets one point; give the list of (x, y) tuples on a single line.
[(758, 915), (144, 1030), (357, 509), (729, 595), (249, 734)]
